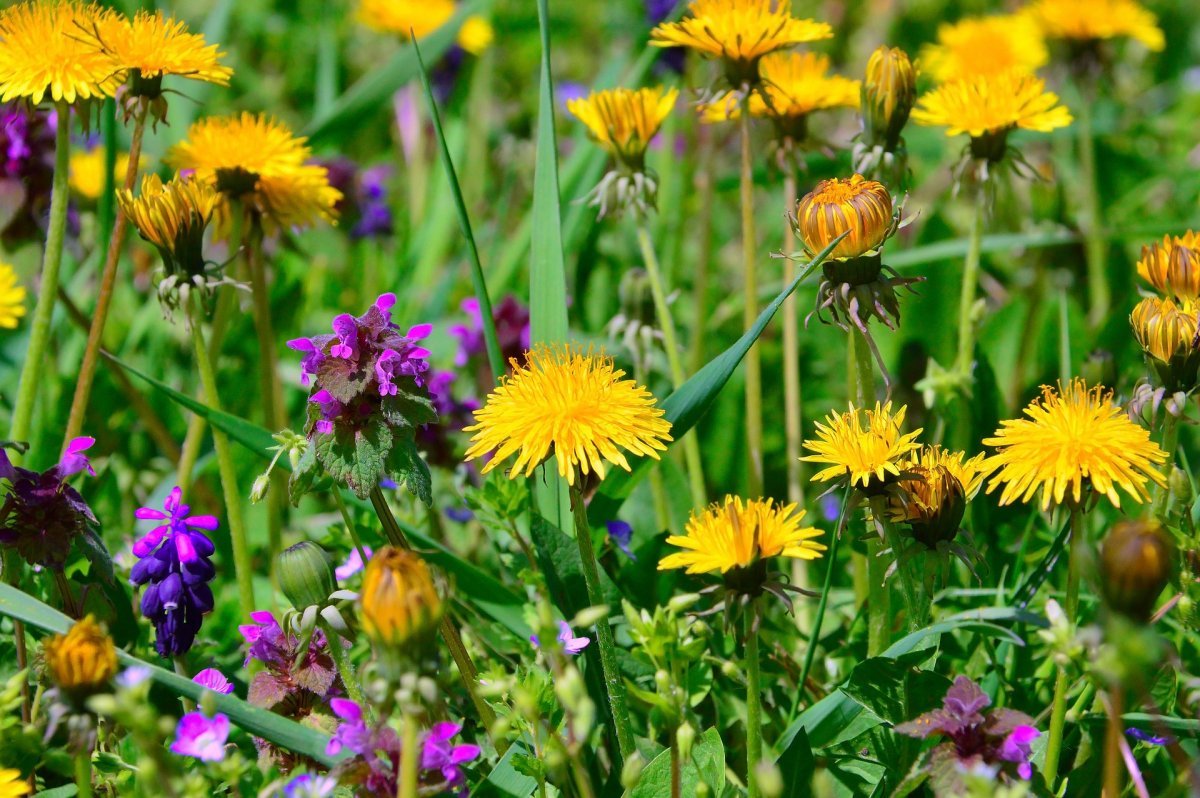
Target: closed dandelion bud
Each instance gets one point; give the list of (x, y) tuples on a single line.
[(83, 661), (1180, 486), (1137, 560), (1099, 368), (399, 606), (862, 207), (1167, 332), (305, 574), (888, 94)]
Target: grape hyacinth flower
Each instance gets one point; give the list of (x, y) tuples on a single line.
[(369, 397), (42, 515), (566, 638), (214, 680), (201, 737), (174, 564)]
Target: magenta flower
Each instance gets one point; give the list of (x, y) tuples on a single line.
[(438, 753), (352, 733), (1015, 748), (566, 638), (178, 524), (42, 514), (214, 680), (201, 737)]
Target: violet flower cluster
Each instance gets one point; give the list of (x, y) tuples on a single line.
[(42, 515), (174, 565), (363, 206), (27, 146), (999, 740)]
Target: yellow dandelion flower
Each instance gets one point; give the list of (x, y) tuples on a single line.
[(570, 404), (1173, 267), (476, 35), (173, 218), (990, 104), (862, 207), (258, 160), (1072, 437), (155, 45), (985, 46), (399, 605), (83, 660), (1093, 20), (405, 17), (738, 31), (794, 85), (858, 450), (45, 51), (624, 121), (11, 783), (12, 298), (736, 534), (86, 173)]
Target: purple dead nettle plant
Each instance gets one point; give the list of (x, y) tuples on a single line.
[(42, 514)]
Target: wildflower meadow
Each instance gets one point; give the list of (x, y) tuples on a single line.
[(639, 398)]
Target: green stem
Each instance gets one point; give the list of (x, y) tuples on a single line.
[(1058, 711), (350, 528), (604, 637), (754, 475), (704, 190), (39, 331), (915, 603), (862, 377), (233, 498), (831, 561), (1064, 337), (108, 276), (970, 285), (676, 768), (342, 660), (879, 619), (753, 701), (658, 493), (1170, 441), (691, 446), (406, 786), (83, 759), (792, 397), (1099, 291), (64, 590)]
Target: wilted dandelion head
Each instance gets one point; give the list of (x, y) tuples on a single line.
[(260, 162), (1072, 437), (1096, 20), (862, 207), (739, 32), (737, 534), (985, 46), (152, 45), (624, 120), (571, 404), (1167, 330), (933, 492), (1173, 266), (46, 50), (173, 217), (12, 298), (861, 444)]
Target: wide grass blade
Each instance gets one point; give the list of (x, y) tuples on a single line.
[(284, 732)]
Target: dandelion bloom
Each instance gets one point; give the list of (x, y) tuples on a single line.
[(991, 104), (1173, 266), (736, 534), (624, 120), (399, 605), (862, 207), (82, 661), (44, 51), (153, 45), (420, 17), (173, 218), (738, 31), (794, 85), (257, 160), (1094, 20), (860, 444), (12, 298), (86, 172), (934, 490), (985, 46), (11, 783), (573, 405), (1072, 436)]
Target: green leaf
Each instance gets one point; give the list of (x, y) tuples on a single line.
[(892, 689), (796, 767), (373, 91), (284, 732), (406, 467), (707, 764), (505, 780), (356, 457), (558, 556)]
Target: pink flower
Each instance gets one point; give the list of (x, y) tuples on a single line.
[(214, 680), (201, 737)]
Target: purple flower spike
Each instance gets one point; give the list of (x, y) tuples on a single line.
[(621, 535), (214, 680), (201, 737), (439, 754), (346, 330), (73, 460), (1015, 748)]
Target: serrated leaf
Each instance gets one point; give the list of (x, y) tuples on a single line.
[(344, 379), (406, 467), (356, 457)]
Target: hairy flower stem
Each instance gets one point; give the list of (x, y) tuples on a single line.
[(406, 785), (1058, 711), (83, 763), (613, 682), (915, 602), (754, 475), (970, 285), (108, 276), (462, 658), (1170, 442), (1095, 247), (691, 446), (753, 701), (233, 497), (39, 331)]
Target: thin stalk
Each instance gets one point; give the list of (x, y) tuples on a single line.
[(1064, 336), (12, 576), (914, 600), (676, 769), (344, 666), (831, 561), (613, 682), (345, 511), (1095, 247), (754, 475), (879, 619), (108, 277), (753, 701), (83, 759), (1170, 441), (792, 397), (39, 330), (1114, 733), (970, 285), (64, 590), (233, 507), (704, 190), (1058, 711), (691, 446), (406, 785), (658, 494)]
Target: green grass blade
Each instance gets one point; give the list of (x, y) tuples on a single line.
[(495, 359), (282, 731)]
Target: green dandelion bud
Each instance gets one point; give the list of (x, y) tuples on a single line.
[(1137, 559), (306, 574)]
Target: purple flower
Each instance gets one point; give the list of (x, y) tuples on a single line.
[(438, 753), (670, 59), (214, 680), (26, 176), (352, 733), (459, 515), (312, 360), (41, 514), (133, 676), (74, 460), (174, 565), (378, 747), (621, 535), (830, 506), (1015, 748), (201, 737), (346, 330), (1147, 737), (353, 563), (512, 332), (453, 415), (566, 638), (293, 678), (306, 785)]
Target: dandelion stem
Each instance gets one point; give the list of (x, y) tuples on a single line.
[(604, 637), (691, 446), (753, 701), (913, 598), (83, 759), (754, 475), (970, 285), (1064, 337), (233, 508), (406, 786), (108, 275), (1113, 734), (792, 397), (1170, 441), (39, 331), (1058, 711), (1099, 292), (704, 190)]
